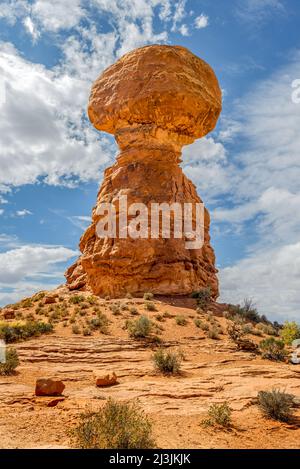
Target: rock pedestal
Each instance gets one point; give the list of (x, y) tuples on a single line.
[(154, 100)]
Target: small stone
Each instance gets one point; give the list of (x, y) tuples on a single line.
[(106, 380), (48, 387)]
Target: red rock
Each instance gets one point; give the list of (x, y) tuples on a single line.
[(49, 300), (106, 380), (8, 314), (54, 402), (154, 100), (48, 387)]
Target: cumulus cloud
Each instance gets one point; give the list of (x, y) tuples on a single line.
[(201, 21), (266, 194), (25, 269), (23, 213)]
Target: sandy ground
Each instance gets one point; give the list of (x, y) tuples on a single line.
[(213, 371)]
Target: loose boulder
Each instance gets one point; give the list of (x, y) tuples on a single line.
[(49, 387)]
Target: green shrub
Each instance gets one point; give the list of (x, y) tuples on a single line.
[(150, 306), (203, 297), (273, 349), (75, 329), (17, 331), (168, 315), (290, 332), (76, 299), (92, 300), (148, 296), (140, 328), (159, 317), (213, 333), (12, 361), (276, 404), (198, 323), (86, 331), (117, 425), (133, 311), (115, 309), (181, 320), (166, 361), (247, 311), (124, 307), (218, 414), (247, 328), (100, 322)]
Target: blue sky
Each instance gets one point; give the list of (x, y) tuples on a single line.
[(247, 171)]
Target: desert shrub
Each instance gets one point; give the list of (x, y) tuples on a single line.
[(76, 299), (247, 328), (115, 309), (17, 331), (257, 332), (92, 300), (100, 322), (290, 332), (276, 404), (198, 323), (213, 333), (150, 306), (72, 319), (38, 296), (272, 349), (133, 311), (124, 307), (218, 414), (268, 329), (26, 303), (11, 363), (148, 296), (203, 297), (86, 331), (159, 317), (181, 320), (128, 296), (247, 311), (75, 329), (168, 315), (117, 425), (140, 328), (166, 361)]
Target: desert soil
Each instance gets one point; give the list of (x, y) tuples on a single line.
[(213, 371)]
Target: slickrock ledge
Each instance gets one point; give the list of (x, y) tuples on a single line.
[(154, 100)]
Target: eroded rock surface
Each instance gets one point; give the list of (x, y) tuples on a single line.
[(154, 100)]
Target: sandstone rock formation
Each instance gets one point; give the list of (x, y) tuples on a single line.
[(154, 100), (48, 387), (105, 380)]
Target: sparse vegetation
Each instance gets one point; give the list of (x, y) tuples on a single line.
[(276, 404), (76, 299), (166, 361), (203, 297), (100, 322), (148, 296), (246, 312), (16, 331), (75, 329), (11, 363), (133, 311), (139, 328), (117, 425), (290, 332), (150, 306), (218, 415), (273, 349), (213, 333), (181, 320)]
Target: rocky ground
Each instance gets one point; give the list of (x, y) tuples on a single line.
[(213, 371)]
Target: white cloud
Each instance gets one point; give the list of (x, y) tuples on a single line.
[(201, 21), (1, 211), (54, 15), (270, 277), (23, 213), (26, 269), (31, 28), (184, 30), (265, 193)]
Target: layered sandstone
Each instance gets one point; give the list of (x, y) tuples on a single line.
[(154, 100)]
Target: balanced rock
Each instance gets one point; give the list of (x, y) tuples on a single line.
[(106, 380), (49, 387), (155, 99)]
